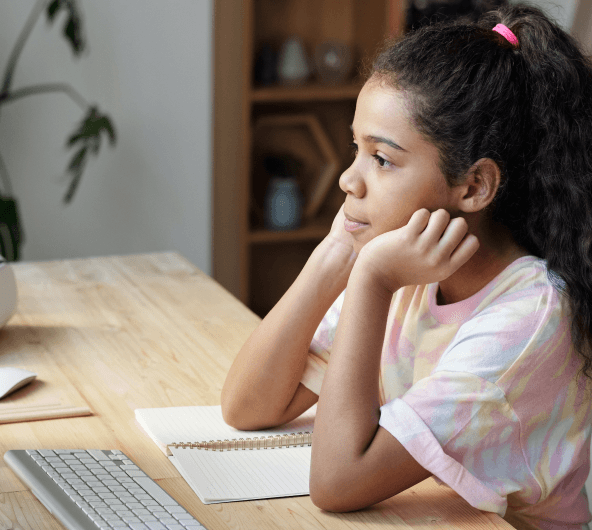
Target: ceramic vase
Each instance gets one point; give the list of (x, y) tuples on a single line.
[(293, 67), (283, 204)]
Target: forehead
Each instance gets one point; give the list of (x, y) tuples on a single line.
[(381, 109)]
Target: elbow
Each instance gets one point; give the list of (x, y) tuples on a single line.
[(333, 495), (243, 415), (325, 502), (229, 416), (231, 410), (234, 415)]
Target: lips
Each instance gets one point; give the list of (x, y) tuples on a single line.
[(354, 220), (351, 224)]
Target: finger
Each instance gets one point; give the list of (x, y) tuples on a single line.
[(453, 234), (439, 220), (464, 251), (419, 220)]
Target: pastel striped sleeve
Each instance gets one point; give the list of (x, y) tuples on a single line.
[(461, 428), (320, 347)]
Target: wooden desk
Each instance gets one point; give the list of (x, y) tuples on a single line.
[(120, 333)]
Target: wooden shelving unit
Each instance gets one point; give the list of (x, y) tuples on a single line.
[(255, 264), (309, 92)]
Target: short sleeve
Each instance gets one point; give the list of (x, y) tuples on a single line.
[(460, 427), (320, 347)]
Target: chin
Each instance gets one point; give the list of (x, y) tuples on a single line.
[(358, 247)]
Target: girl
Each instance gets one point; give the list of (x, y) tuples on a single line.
[(461, 347)]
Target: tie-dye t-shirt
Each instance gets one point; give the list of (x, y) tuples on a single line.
[(484, 394)]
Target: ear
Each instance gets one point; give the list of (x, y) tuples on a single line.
[(480, 186)]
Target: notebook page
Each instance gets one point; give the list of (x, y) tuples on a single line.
[(240, 475), (167, 425)]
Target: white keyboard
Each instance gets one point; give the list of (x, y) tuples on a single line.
[(98, 489)]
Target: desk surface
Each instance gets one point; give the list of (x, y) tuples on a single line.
[(152, 330)]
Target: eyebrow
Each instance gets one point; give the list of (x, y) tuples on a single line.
[(381, 140)]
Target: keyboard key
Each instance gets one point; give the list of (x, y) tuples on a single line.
[(176, 509), (183, 516), (136, 473), (156, 526), (142, 496), (128, 517), (168, 520), (98, 455), (156, 491), (107, 496)]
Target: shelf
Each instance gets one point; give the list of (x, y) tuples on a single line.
[(255, 264), (307, 92), (316, 229)]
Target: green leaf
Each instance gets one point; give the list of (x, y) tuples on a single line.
[(73, 28), (107, 125), (73, 33), (91, 127), (52, 9), (77, 160), (75, 169), (87, 137), (95, 144), (73, 186)]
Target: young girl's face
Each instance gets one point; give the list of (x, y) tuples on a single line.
[(395, 171)]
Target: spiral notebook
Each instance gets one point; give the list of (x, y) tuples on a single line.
[(223, 464)]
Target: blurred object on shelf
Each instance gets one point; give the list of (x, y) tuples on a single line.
[(302, 137), (293, 67), (266, 66), (283, 200), (333, 62), (424, 12)]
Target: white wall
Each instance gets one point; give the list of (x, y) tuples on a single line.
[(149, 65)]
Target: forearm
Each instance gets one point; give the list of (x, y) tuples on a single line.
[(349, 403), (266, 372)]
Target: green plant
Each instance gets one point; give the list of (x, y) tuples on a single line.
[(85, 140)]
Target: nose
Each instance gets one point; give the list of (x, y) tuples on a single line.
[(351, 181)]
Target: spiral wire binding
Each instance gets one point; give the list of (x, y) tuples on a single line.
[(299, 439)]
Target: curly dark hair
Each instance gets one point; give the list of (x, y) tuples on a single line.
[(528, 108)]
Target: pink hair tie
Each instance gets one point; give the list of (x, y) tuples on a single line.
[(507, 34)]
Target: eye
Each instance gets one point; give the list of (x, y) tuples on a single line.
[(354, 148), (381, 161)]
